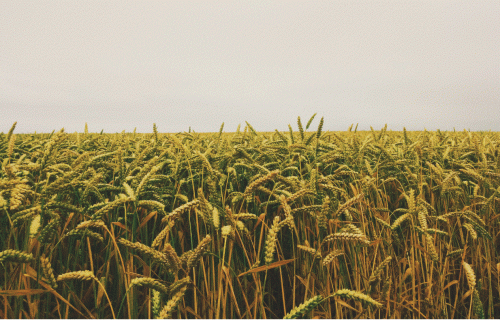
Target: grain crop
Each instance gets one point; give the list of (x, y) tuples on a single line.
[(297, 224)]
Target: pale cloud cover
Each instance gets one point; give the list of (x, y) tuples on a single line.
[(119, 65)]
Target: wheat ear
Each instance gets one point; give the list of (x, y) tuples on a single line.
[(400, 220), (349, 203), (332, 255), (172, 257), (35, 226), (303, 308), (378, 271), (431, 248), (168, 309), (149, 283), (471, 277), (85, 233), (358, 296), (252, 186), (245, 216), (178, 211), (455, 253), (346, 236), (477, 305), (198, 252), (155, 255), (80, 275), (307, 249), (271, 240), (89, 224), (156, 303), (15, 256), (109, 207), (48, 272), (162, 234)]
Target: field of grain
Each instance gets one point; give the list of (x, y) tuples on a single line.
[(294, 224)]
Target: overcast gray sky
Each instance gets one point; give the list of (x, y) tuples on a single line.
[(118, 65)]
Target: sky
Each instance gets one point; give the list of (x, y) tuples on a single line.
[(120, 65)]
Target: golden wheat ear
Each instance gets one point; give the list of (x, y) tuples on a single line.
[(202, 247), (378, 271), (271, 240), (304, 308), (168, 309), (78, 275), (48, 272), (471, 276), (15, 256), (331, 256), (149, 283), (358, 296)]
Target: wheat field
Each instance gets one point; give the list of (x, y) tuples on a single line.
[(283, 224)]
